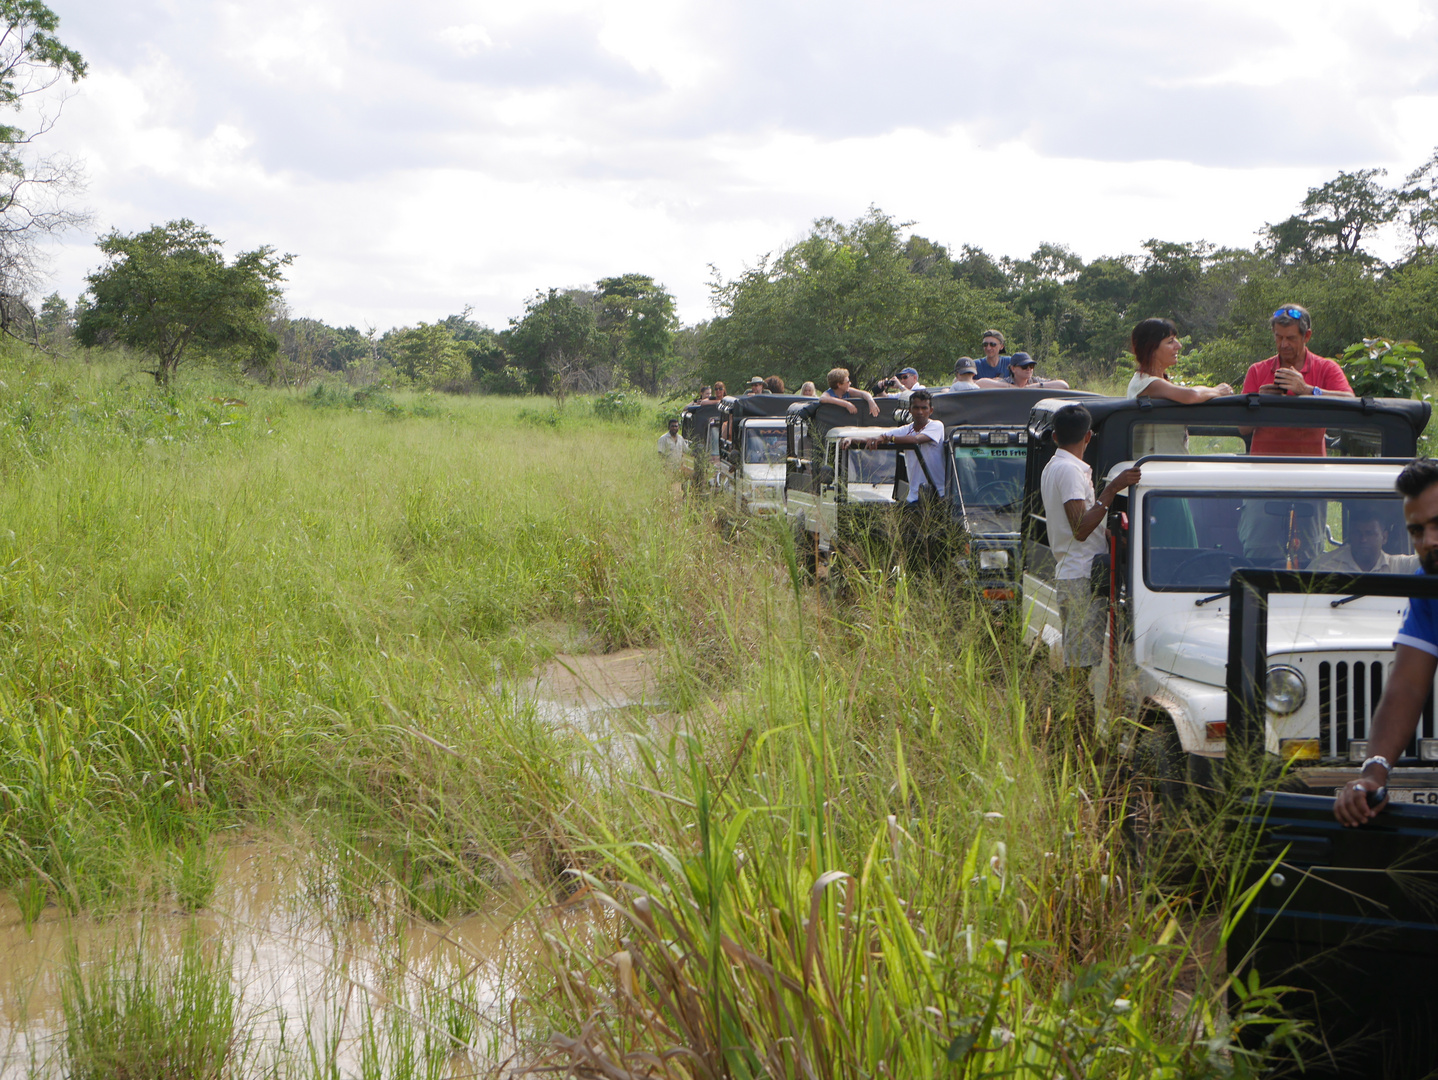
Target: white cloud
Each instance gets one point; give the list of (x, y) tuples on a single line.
[(421, 157)]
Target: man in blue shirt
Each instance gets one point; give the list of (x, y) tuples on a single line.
[(1415, 653), (993, 365)]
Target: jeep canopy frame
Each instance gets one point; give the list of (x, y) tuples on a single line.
[(1398, 422)]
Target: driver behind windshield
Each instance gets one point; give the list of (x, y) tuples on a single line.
[(1367, 535)]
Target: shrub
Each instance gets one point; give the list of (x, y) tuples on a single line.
[(509, 380), (622, 405), (1377, 367)]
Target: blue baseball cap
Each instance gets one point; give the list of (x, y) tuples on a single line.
[(909, 371)]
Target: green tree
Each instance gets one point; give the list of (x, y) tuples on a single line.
[(847, 295), (554, 339), (1168, 280), (33, 192), (168, 290), (57, 321), (1334, 219), (637, 322), (1418, 203), (975, 268), (428, 355)]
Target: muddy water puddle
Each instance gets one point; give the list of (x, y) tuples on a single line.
[(314, 990), (323, 986), (598, 695)]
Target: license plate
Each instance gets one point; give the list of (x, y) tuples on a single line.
[(1416, 796)]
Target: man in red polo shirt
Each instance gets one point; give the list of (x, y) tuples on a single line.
[(1296, 372), (1290, 539)]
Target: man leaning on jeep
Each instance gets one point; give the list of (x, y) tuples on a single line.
[(1415, 654)]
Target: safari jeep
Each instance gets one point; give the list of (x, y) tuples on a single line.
[(751, 467), (988, 447), (699, 425), (986, 436), (827, 483), (1176, 538)]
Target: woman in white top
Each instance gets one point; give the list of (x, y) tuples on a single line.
[(1155, 349)]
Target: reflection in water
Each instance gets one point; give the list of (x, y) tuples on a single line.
[(303, 971)]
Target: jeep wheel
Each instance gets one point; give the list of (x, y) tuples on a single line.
[(1159, 763), (1157, 799)]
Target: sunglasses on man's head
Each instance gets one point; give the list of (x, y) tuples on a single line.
[(1289, 313)]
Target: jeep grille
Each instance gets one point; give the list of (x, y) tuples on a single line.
[(1347, 696)]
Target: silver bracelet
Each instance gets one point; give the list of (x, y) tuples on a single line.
[(1380, 759)]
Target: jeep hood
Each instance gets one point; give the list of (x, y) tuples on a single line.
[(1197, 647), (763, 472)]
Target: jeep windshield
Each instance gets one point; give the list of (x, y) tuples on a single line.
[(764, 445), (990, 476), (1194, 542), (871, 466)]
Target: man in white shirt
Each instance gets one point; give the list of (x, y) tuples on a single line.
[(672, 446), (1077, 533), (964, 374), (926, 436)]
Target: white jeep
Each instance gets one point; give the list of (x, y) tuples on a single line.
[(750, 472), (1176, 539)]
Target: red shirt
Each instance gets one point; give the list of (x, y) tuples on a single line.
[(1294, 442)]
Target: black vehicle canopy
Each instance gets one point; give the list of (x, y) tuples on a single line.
[(1129, 429), (1126, 429), (694, 420), (751, 405), (991, 407)]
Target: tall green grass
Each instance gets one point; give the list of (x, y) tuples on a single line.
[(862, 839)]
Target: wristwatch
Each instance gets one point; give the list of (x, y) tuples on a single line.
[(1318, 391)]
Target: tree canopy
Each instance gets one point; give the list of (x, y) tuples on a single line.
[(169, 290), (849, 296)]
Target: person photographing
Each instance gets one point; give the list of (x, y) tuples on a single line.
[(1077, 534)]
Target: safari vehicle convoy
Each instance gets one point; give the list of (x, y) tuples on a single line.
[(1205, 507), (832, 487)]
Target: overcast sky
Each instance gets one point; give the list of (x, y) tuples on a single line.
[(422, 156)]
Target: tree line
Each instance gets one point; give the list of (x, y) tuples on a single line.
[(869, 295)]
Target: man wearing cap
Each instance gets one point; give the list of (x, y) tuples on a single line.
[(1021, 375), (909, 380), (964, 372), (756, 386), (994, 364)]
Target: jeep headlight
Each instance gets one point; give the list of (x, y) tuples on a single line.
[(1286, 691), (993, 559)]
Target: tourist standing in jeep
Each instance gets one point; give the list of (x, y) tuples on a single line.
[(1296, 372), (993, 364)]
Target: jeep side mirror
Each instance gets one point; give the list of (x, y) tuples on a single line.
[(826, 474)]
